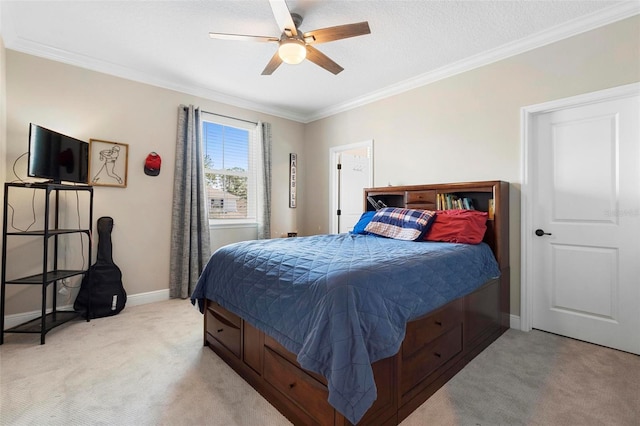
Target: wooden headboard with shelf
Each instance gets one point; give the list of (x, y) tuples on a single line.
[(425, 197)]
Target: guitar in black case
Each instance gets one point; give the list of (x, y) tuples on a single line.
[(101, 292)]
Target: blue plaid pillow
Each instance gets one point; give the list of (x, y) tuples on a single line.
[(401, 224)]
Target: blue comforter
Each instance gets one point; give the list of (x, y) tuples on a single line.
[(341, 302)]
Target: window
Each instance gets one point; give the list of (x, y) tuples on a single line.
[(231, 164)]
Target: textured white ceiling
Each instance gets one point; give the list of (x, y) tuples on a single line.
[(411, 42)]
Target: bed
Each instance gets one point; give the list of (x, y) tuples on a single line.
[(358, 328)]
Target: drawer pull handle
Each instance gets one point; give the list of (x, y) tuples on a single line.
[(292, 385), (438, 355), (220, 330), (439, 323)]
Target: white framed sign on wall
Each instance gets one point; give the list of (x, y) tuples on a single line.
[(293, 170)]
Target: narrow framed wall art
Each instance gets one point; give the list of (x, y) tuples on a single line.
[(293, 171)]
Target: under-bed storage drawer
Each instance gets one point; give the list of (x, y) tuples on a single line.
[(418, 366), (224, 326), (273, 344), (423, 331), (306, 392)]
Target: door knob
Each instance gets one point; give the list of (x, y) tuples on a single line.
[(540, 233)]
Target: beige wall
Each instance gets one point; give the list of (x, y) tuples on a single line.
[(467, 127), (3, 119), (462, 128), (86, 104)]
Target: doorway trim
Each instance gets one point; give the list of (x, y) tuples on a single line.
[(528, 167), (333, 181)]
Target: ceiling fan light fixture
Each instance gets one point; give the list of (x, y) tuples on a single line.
[(292, 51)]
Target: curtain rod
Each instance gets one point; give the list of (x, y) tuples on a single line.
[(233, 118)]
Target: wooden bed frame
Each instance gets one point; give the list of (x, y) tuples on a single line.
[(436, 346)]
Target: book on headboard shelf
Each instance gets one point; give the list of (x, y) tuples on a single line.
[(450, 201)]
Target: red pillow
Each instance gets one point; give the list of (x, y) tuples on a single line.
[(458, 226)]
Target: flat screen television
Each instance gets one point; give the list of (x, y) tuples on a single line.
[(57, 157)]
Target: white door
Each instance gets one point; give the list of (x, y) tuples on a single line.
[(353, 178), (586, 200), (351, 172)]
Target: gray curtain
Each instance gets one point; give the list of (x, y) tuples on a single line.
[(264, 215), (190, 246)]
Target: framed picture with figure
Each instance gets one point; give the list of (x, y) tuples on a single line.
[(108, 163)]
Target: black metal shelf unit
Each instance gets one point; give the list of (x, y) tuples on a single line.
[(49, 276)]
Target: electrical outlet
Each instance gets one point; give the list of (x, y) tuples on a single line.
[(63, 290)]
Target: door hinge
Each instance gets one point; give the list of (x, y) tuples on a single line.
[(339, 166), (339, 212)]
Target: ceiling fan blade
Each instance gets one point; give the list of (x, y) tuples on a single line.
[(319, 58), (283, 16), (273, 64), (324, 35), (240, 37)]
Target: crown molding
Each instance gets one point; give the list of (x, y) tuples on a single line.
[(48, 52), (543, 38), (560, 32)]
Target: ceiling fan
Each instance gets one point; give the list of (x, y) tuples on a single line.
[(295, 46)]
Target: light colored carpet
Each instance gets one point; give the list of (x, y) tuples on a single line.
[(539, 378), (147, 366)]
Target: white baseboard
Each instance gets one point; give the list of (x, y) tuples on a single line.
[(514, 322), (16, 319), (132, 300), (149, 297)]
